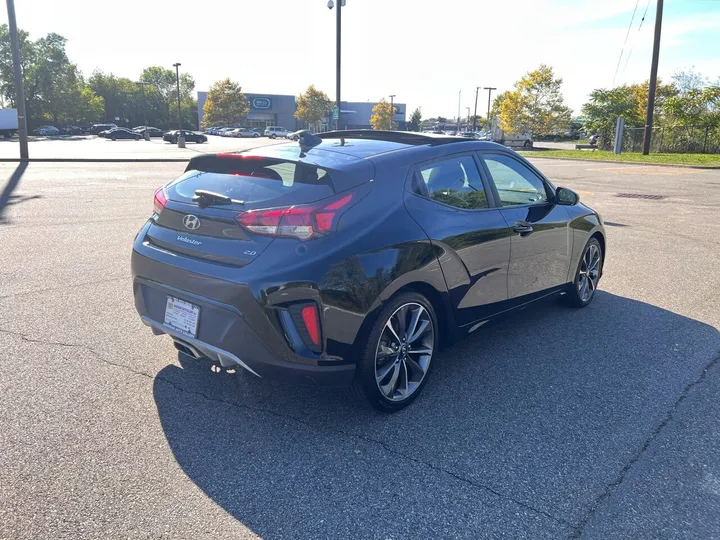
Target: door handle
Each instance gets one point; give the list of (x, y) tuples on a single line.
[(522, 227)]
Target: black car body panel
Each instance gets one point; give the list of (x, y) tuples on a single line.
[(471, 264)]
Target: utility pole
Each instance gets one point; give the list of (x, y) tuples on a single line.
[(19, 86), (180, 137), (467, 123), (477, 89), (653, 79), (142, 84), (489, 89), (392, 110), (458, 116)]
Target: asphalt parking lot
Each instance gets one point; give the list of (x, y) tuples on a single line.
[(601, 423), (92, 147)]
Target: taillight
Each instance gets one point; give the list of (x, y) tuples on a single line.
[(310, 318), (159, 201), (304, 221)]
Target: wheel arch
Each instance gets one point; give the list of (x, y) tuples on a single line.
[(438, 299)]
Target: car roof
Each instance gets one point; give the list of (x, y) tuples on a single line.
[(369, 143)]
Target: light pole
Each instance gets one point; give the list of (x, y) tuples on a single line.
[(338, 27), (180, 137), (489, 89), (146, 136), (467, 125), (477, 89), (458, 116), (17, 75), (392, 109)]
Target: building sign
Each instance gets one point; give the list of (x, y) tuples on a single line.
[(261, 103)]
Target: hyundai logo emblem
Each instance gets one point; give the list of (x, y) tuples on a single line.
[(191, 222)]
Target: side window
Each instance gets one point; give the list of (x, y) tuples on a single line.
[(516, 184), (455, 181)]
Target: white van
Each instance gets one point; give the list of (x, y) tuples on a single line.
[(521, 138), (276, 131)]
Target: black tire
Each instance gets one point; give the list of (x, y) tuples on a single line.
[(138, 137), (574, 296), (527, 144), (273, 136), (113, 138), (365, 387)]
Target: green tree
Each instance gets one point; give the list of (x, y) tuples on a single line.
[(536, 104), (313, 106), (161, 97), (629, 101), (226, 105), (382, 115), (415, 120)]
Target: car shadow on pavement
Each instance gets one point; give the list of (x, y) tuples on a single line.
[(6, 197), (519, 432)]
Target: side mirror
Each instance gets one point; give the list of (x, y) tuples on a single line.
[(566, 196)]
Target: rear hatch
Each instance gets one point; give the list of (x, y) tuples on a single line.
[(199, 214)]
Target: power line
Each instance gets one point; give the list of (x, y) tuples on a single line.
[(627, 59), (625, 43)]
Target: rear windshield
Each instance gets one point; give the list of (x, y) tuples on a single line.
[(256, 182)]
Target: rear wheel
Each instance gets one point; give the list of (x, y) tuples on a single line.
[(396, 361), (273, 136), (527, 144), (587, 275), (113, 138)]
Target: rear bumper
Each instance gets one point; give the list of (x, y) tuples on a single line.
[(239, 334)]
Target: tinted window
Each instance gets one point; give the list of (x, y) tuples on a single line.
[(516, 184), (455, 181), (265, 182)]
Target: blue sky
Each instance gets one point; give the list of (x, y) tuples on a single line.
[(422, 51)]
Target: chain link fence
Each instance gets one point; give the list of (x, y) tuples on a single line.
[(676, 139)]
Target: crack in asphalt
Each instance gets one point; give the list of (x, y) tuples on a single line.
[(610, 488), (300, 421)]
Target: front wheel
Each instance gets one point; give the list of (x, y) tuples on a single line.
[(587, 275), (396, 361), (527, 144), (273, 136)]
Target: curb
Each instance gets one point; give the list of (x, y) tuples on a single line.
[(641, 163), (95, 160)]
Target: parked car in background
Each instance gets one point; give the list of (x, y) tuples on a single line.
[(122, 133), (295, 135), (233, 132), (190, 136), (223, 132), (244, 133), (276, 131), (260, 131), (46, 130), (152, 131), (351, 264), (71, 130), (95, 129)]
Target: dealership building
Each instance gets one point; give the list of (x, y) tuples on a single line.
[(279, 110)]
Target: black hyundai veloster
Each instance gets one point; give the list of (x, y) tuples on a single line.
[(351, 257)]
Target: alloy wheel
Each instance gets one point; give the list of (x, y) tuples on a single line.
[(589, 273), (404, 351)]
